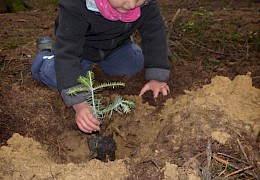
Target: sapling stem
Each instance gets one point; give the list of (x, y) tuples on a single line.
[(92, 95)]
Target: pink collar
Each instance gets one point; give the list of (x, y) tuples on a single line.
[(111, 14)]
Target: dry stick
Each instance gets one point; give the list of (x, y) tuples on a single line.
[(51, 107), (243, 151), (153, 162), (25, 47), (1, 107), (2, 59), (177, 42), (207, 172), (246, 52), (210, 50), (239, 160), (170, 29), (247, 49), (52, 174), (21, 74), (222, 172), (234, 131), (230, 164), (239, 171), (186, 164), (120, 134), (255, 77), (172, 21)]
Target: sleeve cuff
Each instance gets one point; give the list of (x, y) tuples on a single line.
[(157, 74), (70, 100)]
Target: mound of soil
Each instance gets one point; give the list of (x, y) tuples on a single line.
[(168, 141)]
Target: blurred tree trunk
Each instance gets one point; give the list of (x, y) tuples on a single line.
[(3, 6), (12, 5)]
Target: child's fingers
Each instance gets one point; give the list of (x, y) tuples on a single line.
[(144, 89)]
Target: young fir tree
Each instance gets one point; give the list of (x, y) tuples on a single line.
[(94, 99)]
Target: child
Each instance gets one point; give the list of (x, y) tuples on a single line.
[(98, 32)]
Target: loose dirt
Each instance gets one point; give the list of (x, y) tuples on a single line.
[(213, 107)]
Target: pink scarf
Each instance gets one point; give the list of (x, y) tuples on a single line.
[(110, 13)]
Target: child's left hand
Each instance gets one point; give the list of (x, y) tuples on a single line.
[(157, 87)]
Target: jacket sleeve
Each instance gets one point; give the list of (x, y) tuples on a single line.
[(68, 49), (154, 45)]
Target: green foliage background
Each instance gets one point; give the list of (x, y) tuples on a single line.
[(22, 5)]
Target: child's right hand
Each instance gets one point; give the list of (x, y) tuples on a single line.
[(85, 119)]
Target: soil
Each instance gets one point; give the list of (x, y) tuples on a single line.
[(207, 126)]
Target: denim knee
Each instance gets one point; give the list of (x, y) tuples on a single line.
[(128, 60), (139, 58), (43, 69), (36, 65)]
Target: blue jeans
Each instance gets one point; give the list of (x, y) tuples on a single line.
[(127, 60)]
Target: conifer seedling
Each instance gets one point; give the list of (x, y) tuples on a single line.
[(94, 99), (101, 147)]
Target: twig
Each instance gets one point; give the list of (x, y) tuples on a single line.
[(153, 162), (21, 74), (26, 48), (59, 148), (232, 129), (202, 47), (206, 172), (1, 107), (247, 49), (255, 77), (230, 3), (174, 18), (239, 160), (243, 150), (177, 42), (120, 134), (51, 107), (186, 164), (233, 165), (52, 174), (222, 172), (239, 171), (170, 30)]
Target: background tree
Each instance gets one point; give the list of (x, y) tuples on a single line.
[(14, 6)]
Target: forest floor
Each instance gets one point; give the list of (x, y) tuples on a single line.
[(208, 125)]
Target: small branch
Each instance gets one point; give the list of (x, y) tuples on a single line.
[(245, 155), (174, 18), (202, 47), (52, 174), (207, 172), (120, 134), (186, 164), (21, 74), (1, 107), (29, 49), (256, 77), (151, 161), (239, 171), (239, 160), (222, 172), (233, 165), (171, 28), (243, 150), (247, 49)]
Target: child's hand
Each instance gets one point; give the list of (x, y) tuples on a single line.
[(85, 119), (156, 87)]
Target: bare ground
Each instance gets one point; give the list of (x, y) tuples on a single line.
[(165, 138)]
